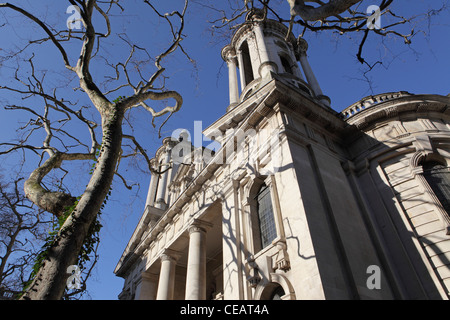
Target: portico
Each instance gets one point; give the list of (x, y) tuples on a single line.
[(188, 264)]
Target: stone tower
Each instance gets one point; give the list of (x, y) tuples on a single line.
[(262, 50), (300, 202)]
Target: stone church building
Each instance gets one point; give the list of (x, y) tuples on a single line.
[(300, 201)]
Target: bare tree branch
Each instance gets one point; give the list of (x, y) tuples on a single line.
[(21, 228), (44, 28)]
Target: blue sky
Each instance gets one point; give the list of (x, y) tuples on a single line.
[(423, 67)]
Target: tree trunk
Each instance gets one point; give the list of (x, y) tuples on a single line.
[(50, 281), (53, 202)]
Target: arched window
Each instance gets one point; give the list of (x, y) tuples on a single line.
[(248, 70), (438, 177), (265, 215), (286, 65), (277, 293)]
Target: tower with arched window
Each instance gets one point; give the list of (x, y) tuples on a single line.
[(260, 51), (300, 201)]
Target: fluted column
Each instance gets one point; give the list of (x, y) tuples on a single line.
[(166, 283), (196, 266)]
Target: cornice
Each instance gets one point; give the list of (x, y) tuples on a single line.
[(398, 106)]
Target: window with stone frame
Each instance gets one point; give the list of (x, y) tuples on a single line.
[(438, 177), (277, 293), (265, 216)]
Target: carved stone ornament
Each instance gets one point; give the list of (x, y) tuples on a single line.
[(253, 272), (170, 255), (282, 261), (255, 14), (228, 53), (196, 228), (199, 226)]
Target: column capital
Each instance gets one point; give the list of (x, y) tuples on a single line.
[(232, 62), (256, 14), (228, 54), (170, 255), (169, 143), (149, 276), (199, 226), (302, 46)]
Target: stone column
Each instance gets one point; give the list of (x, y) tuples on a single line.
[(266, 65), (151, 189), (196, 265), (295, 67), (241, 68), (160, 203), (309, 74), (229, 55), (233, 81), (166, 283)]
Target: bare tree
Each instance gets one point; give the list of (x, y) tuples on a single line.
[(137, 85), (22, 229)]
